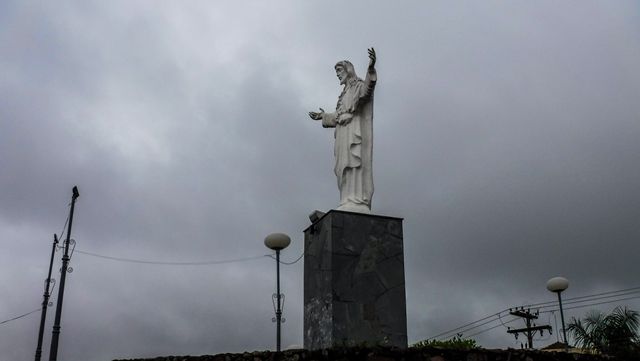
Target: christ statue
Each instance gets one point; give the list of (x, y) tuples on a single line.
[(353, 123)]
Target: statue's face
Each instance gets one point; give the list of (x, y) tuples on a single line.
[(342, 74)]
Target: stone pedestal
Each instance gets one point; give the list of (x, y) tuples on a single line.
[(354, 291)]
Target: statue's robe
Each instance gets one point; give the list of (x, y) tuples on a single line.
[(353, 120)]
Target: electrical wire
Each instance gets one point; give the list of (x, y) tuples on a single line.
[(31, 312), (463, 328), (493, 327), (65, 224), (540, 304), (171, 263), (500, 318), (34, 311), (555, 304), (53, 287), (288, 263), (479, 325), (550, 311), (592, 304), (573, 300), (21, 316)]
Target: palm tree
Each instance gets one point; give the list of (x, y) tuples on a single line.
[(612, 334)]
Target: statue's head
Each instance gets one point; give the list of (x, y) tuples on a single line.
[(345, 71)]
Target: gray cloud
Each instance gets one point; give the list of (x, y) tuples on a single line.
[(506, 136)]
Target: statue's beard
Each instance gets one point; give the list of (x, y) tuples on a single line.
[(343, 81)]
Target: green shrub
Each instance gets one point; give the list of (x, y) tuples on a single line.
[(454, 343)]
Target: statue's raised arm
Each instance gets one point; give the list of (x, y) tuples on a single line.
[(353, 123)]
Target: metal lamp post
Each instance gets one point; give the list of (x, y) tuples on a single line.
[(45, 301), (55, 336), (277, 242), (557, 285)]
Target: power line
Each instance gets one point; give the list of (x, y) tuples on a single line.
[(64, 227), (592, 304), (21, 316), (455, 330), (493, 327), (551, 311), (534, 305), (591, 299), (171, 263), (586, 298), (504, 324), (478, 325)]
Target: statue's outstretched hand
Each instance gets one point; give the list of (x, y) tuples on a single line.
[(316, 116), (372, 57)]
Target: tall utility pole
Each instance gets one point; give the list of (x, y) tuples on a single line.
[(529, 330), (53, 352), (45, 301)]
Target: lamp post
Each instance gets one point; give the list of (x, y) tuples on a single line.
[(55, 335), (277, 242), (45, 301), (557, 285)]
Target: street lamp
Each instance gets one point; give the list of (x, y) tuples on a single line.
[(277, 242), (557, 285)]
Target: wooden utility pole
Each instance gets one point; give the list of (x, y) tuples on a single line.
[(529, 330)]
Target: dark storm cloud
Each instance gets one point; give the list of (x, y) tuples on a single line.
[(528, 169), (506, 136)]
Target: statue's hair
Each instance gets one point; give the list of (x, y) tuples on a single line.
[(351, 72)]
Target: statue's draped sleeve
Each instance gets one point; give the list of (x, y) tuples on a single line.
[(329, 120), (369, 84)]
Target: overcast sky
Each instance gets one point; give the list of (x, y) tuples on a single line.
[(506, 136)]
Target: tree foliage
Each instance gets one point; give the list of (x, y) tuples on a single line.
[(614, 334), (454, 343)]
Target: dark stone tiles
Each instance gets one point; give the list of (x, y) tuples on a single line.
[(354, 291)]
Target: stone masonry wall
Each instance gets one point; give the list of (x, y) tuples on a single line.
[(381, 354)]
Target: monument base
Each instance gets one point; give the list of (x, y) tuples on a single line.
[(354, 293)]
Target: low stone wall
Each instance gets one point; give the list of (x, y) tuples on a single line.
[(381, 354)]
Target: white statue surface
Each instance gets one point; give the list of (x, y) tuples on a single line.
[(353, 123)]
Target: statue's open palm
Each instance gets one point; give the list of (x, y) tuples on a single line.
[(315, 115)]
